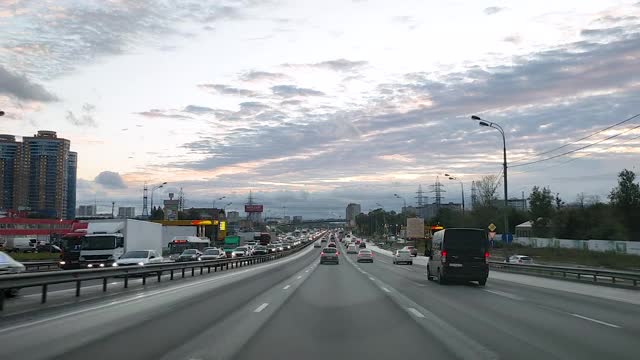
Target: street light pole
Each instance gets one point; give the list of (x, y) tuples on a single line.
[(402, 198), (461, 187), (214, 201), (153, 189), (504, 169)]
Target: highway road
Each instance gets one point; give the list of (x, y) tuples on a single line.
[(295, 308)]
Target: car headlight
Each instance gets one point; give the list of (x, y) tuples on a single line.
[(63, 262), (199, 259), (90, 265), (101, 265), (114, 264), (141, 263)]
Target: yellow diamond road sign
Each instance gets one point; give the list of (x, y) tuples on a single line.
[(492, 227)]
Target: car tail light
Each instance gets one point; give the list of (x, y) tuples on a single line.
[(444, 256), (337, 252), (486, 257), (322, 253)]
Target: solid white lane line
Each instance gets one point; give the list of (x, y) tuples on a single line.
[(596, 321), (504, 294), (415, 312), (372, 278), (286, 287), (261, 307), (307, 270), (385, 289), (299, 277)]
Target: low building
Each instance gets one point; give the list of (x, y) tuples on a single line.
[(126, 212), (297, 219), (86, 210), (43, 229)]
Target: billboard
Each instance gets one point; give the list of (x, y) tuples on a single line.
[(415, 228), (253, 208)]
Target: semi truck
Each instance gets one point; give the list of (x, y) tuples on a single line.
[(106, 240), (70, 244)]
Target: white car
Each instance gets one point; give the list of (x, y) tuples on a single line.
[(519, 259), (352, 249), (213, 254), (139, 257), (317, 244), (10, 266), (402, 256), (240, 251)]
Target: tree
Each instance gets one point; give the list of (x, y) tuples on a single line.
[(541, 210), (625, 198), (580, 199), (559, 202), (487, 188)]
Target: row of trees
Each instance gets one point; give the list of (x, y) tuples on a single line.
[(586, 218)]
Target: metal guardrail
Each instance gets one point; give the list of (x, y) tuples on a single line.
[(566, 272), (44, 279)]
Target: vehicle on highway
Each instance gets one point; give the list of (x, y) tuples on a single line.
[(70, 244), (362, 245), (402, 256), (279, 246), (230, 243), (329, 255), (272, 248), (139, 257), (213, 254), (412, 249), (287, 246), (459, 254), (9, 265), (259, 250), (179, 244), (519, 259), (189, 255), (332, 244), (352, 249), (317, 244), (44, 248), (240, 251), (21, 244), (324, 239), (365, 255)]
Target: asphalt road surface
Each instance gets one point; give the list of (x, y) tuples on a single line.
[(294, 308)]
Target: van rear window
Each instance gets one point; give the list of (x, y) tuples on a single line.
[(465, 239)]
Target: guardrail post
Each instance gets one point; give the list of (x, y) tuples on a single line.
[(2, 299), (635, 283), (209, 269), (201, 269), (77, 288), (126, 280), (613, 279), (144, 278), (193, 271), (171, 275), (159, 273), (44, 294), (183, 272), (227, 266), (215, 268), (595, 278), (578, 276), (104, 284)]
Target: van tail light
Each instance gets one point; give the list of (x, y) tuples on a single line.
[(337, 252), (322, 253), (486, 257), (444, 256)]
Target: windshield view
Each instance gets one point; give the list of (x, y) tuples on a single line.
[(98, 243), (319, 179), (135, 254)]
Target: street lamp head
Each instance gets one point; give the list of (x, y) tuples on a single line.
[(447, 175), (1, 113), (164, 183), (475, 117), (483, 123), (451, 178)]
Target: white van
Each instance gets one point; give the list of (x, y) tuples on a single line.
[(21, 244)]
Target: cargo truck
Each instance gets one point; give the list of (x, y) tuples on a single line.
[(106, 240), (230, 243), (70, 244)]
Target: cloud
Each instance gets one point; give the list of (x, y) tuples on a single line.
[(157, 113), (292, 90), (85, 118), (110, 180), (228, 90), (491, 10), (341, 65), (514, 39), (262, 75), (20, 87), (195, 109)]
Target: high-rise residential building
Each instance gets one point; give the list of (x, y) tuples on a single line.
[(233, 216), (87, 210), (72, 176), (38, 174), (126, 212), (10, 160), (297, 219), (353, 210)]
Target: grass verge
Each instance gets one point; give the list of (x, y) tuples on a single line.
[(42, 256)]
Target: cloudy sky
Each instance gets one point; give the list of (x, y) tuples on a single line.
[(314, 104)]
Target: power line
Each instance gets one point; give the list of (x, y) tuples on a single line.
[(575, 158), (582, 138), (578, 149)]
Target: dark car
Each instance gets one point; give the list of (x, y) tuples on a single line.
[(362, 245), (332, 245), (329, 255), (48, 248), (459, 254), (260, 250), (189, 255)]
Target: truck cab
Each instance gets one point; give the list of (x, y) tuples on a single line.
[(100, 249)]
